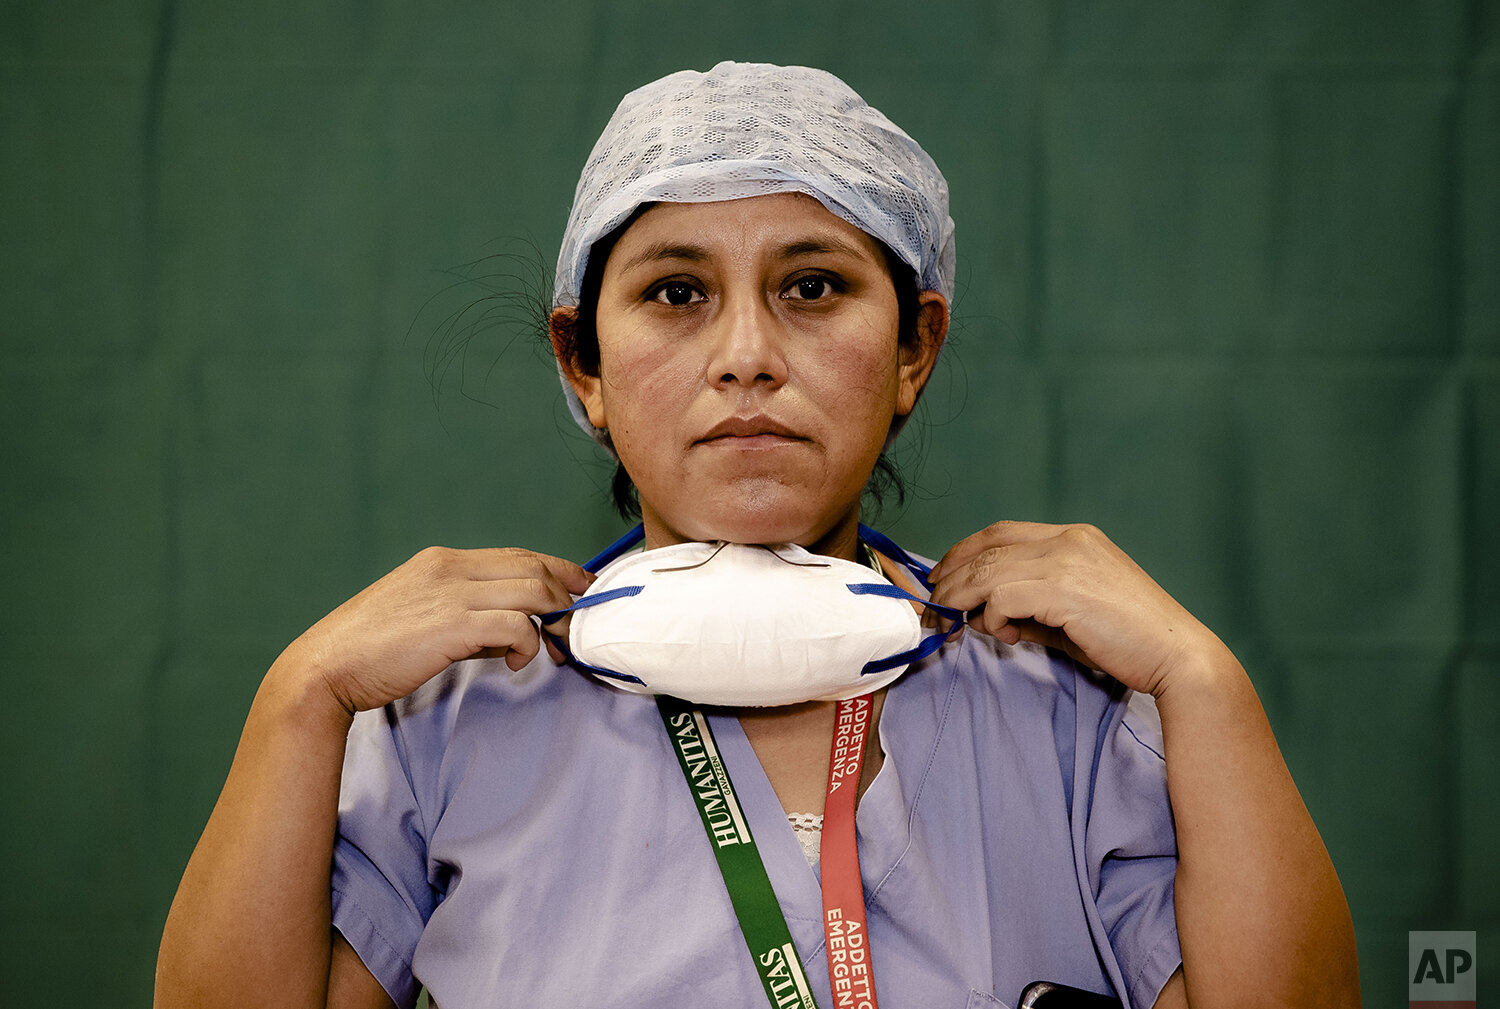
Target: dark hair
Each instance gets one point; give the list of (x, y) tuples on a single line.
[(581, 343)]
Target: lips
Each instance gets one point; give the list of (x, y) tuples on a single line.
[(759, 428)]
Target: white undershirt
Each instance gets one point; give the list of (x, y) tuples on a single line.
[(809, 826), (809, 830)]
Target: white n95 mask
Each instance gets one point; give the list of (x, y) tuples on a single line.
[(746, 625)]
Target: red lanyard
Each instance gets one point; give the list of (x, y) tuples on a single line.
[(761, 921), (849, 968)]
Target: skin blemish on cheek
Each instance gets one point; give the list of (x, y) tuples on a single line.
[(875, 372), (648, 372), (641, 353)]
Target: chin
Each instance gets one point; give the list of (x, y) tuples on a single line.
[(764, 515), (763, 529)]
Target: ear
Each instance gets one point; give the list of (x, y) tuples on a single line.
[(562, 329), (916, 360)]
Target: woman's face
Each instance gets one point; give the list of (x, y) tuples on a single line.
[(749, 369)]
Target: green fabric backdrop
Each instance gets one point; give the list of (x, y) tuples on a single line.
[(1228, 289)]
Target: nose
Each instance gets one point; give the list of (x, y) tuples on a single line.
[(747, 348)]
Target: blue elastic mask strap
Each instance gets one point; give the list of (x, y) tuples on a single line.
[(897, 592), (924, 648), (584, 602), (884, 544), (619, 547), (928, 644), (562, 646)]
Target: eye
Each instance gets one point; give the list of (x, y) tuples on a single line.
[(676, 293), (810, 288)]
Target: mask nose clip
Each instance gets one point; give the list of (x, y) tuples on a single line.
[(720, 549), (692, 567)]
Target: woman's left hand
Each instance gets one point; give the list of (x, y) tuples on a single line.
[(1257, 902), (1069, 587)]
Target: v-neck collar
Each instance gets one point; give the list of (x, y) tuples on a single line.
[(881, 822)]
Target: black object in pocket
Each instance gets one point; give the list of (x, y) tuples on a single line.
[(1048, 995)]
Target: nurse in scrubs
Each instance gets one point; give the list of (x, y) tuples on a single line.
[(1079, 787)]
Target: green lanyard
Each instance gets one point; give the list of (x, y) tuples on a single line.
[(761, 921)]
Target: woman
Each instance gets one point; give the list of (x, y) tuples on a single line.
[(752, 291)]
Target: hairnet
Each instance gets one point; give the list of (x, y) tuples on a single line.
[(748, 129)]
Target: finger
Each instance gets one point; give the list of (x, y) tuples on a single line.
[(522, 598), (561, 626), (1016, 631), (969, 584), (553, 652), (992, 610), (532, 596), (518, 660), (501, 563), (996, 627), (996, 535), (573, 577), (502, 632), (944, 622), (1023, 609)]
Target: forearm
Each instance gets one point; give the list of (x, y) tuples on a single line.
[(252, 914), (1261, 916)]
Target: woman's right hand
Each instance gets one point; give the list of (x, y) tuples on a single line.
[(252, 911), (438, 608)]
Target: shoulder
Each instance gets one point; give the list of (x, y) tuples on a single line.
[(1035, 704), (486, 687), (475, 707), (1028, 680)]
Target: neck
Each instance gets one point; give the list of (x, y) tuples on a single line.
[(794, 746)]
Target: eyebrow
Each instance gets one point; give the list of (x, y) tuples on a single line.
[(666, 250), (821, 246)]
